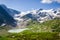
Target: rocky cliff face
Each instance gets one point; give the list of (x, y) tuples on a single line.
[(5, 16)]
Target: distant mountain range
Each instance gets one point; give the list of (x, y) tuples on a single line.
[(12, 17), (39, 15)]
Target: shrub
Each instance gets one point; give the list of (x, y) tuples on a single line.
[(35, 36)]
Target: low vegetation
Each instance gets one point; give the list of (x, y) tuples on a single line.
[(32, 36), (49, 30), (48, 26)]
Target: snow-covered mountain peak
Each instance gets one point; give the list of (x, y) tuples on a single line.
[(38, 14)]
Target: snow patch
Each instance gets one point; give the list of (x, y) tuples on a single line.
[(17, 30)]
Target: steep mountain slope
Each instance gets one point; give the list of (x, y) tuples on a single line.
[(6, 16), (48, 26), (36, 27), (13, 12)]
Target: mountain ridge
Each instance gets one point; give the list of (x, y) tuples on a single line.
[(22, 18), (6, 17)]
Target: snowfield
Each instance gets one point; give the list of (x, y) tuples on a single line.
[(17, 30)]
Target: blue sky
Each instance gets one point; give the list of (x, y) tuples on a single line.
[(24, 5)]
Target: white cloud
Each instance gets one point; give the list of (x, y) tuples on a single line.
[(49, 1), (46, 1), (57, 1)]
